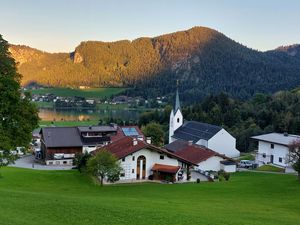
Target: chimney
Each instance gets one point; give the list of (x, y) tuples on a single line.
[(285, 134), (148, 140), (190, 143), (135, 142)]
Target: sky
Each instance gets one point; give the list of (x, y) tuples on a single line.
[(60, 25)]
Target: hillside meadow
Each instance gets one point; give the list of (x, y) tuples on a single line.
[(68, 197)]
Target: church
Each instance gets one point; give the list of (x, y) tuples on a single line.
[(202, 134)]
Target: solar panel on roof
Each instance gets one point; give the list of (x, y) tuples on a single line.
[(130, 131)]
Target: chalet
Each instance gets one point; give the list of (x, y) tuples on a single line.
[(141, 161), (207, 135), (273, 149)]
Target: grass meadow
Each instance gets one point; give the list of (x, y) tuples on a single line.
[(29, 197)]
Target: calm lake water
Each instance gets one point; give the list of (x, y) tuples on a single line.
[(85, 114)]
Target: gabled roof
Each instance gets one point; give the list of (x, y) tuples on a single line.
[(61, 137), (101, 128), (124, 147), (277, 138), (192, 152), (194, 131)]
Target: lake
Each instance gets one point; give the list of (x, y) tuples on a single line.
[(87, 114)]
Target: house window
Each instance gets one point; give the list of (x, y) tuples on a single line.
[(264, 155), (162, 157), (57, 162), (280, 159), (132, 171), (50, 163), (133, 158), (64, 162), (177, 120), (272, 146), (122, 175), (123, 159)]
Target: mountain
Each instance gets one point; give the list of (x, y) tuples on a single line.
[(203, 60)]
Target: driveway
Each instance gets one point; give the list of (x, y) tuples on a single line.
[(28, 162)]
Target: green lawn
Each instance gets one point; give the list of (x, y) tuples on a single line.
[(270, 168), (248, 156), (87, 93), (68, 123), (30, 197)]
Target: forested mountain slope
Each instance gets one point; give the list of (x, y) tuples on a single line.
[(203, 60)]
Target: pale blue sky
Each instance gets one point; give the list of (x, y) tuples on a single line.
[(60, 25)]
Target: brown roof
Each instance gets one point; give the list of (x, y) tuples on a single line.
[(195, 154), (124, 146), (165, 168)]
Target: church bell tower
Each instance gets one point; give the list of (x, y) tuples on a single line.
[(176, 118)]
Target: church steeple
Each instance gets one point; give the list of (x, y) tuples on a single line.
[(176, 118), (177, 102)]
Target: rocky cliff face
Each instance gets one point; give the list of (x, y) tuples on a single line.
[(24, 54)]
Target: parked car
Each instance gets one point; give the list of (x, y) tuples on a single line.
[(246, 164)]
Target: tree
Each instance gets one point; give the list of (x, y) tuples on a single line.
[(80, 161), (18, 116), (294, 156), (154, 131), (104, 165)]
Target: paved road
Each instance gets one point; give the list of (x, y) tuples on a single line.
[(28, 162)]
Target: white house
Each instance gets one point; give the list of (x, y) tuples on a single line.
[(207, 135), (273, 149), (205, 159), (141, 161)]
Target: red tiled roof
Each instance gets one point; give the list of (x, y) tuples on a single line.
[(123, 147), (165, 168), (196, 154)]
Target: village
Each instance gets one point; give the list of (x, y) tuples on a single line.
[(196, 151)]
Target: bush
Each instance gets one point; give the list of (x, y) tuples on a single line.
[(226, 176)]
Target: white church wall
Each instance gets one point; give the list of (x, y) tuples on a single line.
[(224, 143)]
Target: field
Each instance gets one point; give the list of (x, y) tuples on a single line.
[(66, 197), (270, 168), (95, 93), (68, 123)]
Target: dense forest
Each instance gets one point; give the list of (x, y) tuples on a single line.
[(263, 113), (203, 60)]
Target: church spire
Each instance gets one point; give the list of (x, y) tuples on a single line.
[(177, 102)]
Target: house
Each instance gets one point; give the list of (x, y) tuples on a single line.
[(207, 135), (141, 161), (205, 158), (60, 144), (273, 149)]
